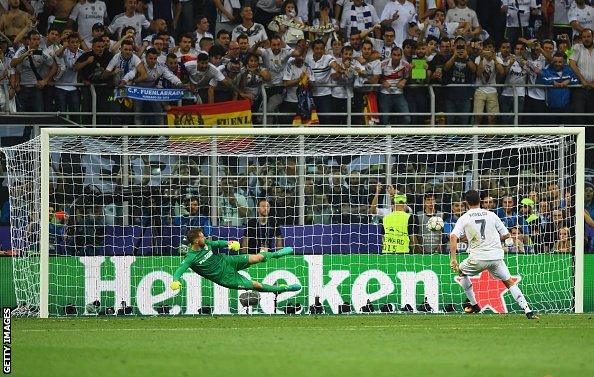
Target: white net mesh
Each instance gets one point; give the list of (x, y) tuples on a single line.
[(121, 206)]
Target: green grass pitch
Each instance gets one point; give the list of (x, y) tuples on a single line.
[(304, 346)]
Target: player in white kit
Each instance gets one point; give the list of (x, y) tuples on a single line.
[(484, 232)]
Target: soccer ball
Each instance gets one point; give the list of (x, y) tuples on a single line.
[(435, 224)]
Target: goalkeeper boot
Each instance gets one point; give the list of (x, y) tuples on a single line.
[(532, 315), (282, 252), (472, 309)]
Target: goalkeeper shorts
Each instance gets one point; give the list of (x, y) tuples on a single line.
[(230, 278)]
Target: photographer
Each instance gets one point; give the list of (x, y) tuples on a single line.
[(459, 69)]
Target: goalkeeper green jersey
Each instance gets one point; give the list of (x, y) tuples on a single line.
[(204, 261)]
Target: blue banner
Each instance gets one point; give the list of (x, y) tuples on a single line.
[(149, 94)]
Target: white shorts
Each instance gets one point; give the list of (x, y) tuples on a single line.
[(497, 268)]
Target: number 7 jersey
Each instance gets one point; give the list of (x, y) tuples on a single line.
[(483, 230)]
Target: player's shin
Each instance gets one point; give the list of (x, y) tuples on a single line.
[(517, 294), (467, 285)]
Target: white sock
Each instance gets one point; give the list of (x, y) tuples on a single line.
[(519, 297), (467, 285)]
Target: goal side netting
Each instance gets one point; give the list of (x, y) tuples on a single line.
[(120, 206)]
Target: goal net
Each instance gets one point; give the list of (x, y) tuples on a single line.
[(120, 202)]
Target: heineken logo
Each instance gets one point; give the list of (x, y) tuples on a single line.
[(143, 282)]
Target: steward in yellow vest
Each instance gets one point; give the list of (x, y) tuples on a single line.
[(399, 228)]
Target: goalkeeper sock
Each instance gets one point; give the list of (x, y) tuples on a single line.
[(519, 297), (467, 285), (279, 288), (282, 252)]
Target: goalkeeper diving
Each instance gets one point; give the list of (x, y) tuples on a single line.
[(222, 268)]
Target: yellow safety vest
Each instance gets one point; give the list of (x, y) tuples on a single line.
[(396, 238)]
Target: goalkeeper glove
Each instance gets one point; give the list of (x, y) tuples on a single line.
[(509, 242), (176, 285)]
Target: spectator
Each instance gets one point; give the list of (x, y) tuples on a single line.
[(14, 21), (275, 61), (254, 31), (485, 97), (122, 63), (232, 206), (186, 15), (344, 81), (296, 71), (563, 243), (355, 40), (385, 45), (431, 241), (489, 204), (518, 14), (408, 50), (200, 73), (372, 70), (222, 91), (534, 101), (263, 232), (227, 15), (398, 14), (324, 21), (580, 17), (321, 65), (516, 74), (193, 218), (202, 27), (507, 212), (265, 11), (68, 95), (129, 18), (355, 201), (559, 76), (223, 38), (90, 67), (417, 97), (290, 35), (582, 64), (458, 209), (518, 239), (148, 77), (167, 13), (88, 15), (358, 15), (395, 73), (463, 14), (436, 73), (243, 43), (251, 79), (459, 69), (184, 50), (36, 69)]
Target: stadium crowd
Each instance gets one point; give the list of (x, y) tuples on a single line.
[(51, 51), (218, 50)]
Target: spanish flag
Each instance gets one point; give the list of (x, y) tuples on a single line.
[(221, 114)]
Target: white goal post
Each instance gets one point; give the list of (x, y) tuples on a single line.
[(302, 134)]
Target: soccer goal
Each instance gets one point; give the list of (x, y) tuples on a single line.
[(99, 217)]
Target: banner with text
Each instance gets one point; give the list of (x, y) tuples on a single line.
[(143, 283), (149, 94)]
